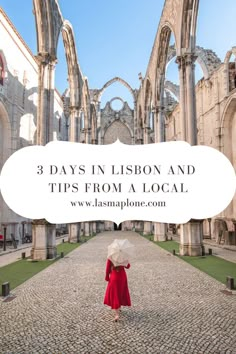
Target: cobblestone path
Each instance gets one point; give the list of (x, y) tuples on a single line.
[(175, 308)]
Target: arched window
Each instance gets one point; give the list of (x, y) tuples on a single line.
[(151, 118), (232, 72), (1, 71), (82, 121), (59, 125)]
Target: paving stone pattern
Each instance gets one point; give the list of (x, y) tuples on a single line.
[(175, 307)]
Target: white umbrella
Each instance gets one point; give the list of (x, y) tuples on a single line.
[(120, 251)]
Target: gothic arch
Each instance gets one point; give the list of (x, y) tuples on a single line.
[(173, 88), (206, 58), (48, 25), (178, 17), (110, 82), (188, 25), (229, 54), (74, 73)]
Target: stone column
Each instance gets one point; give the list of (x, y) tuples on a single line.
[(109, 225), (145, 135), (135, 136), (191, 234), (39, 237), (74, 135), (45, 109), (161, 124), (159, 228), (182, 102), (74, 233), (147, 228), (94, 227), (156, 123), (159, 232), (191, 99), (44, 240), (147, 224), (86, 229)]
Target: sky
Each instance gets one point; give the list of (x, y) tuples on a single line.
[(115, 38)]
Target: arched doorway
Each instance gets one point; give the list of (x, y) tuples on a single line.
[(117, 227), (117, 130)]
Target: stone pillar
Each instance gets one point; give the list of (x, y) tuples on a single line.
[(191, 99), (182, 102), (135, 136), (44, 240), (74, 233), (109, 226), (102, 226), (191, 236), (159, 232), (147, 228), (86, 229), (156, 122), (147, 224), (94, 227), (159, 121), (161, 124), (145, 135), (39, 237), (87, 128), (74, 135), (45, 109), (51, 241)]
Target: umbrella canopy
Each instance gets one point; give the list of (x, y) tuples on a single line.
[(120, 251)]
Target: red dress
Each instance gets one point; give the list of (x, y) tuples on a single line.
[(117, 292)]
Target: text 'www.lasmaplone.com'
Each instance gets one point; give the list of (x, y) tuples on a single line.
[(118, 204)]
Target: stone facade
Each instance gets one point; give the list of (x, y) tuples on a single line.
[(117, 124), (18, 110), (216, 111)]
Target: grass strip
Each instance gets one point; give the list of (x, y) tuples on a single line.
[(18, 272), (218, 268)]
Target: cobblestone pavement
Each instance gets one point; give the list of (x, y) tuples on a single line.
[(175, 307)]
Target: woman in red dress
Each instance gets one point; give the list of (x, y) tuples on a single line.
[(117, 292)]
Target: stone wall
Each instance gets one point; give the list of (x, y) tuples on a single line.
[(18, 106)]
